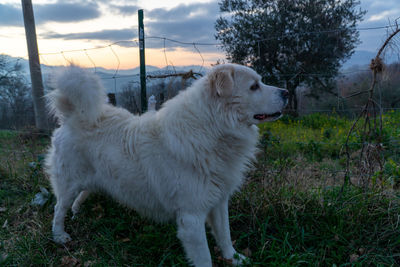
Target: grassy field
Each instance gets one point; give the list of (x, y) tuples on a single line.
[(291, 211)]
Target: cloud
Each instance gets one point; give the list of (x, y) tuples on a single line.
[(379, 13), (380, 10), (66, 12), (11, 16), (379, 5), (193, 22), (383, 15), (109, 35), (125, 10), (184, 12), (186, 23)]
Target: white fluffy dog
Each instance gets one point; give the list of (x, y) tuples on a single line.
[(180, 163)]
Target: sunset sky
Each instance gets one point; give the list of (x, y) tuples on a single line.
[(63, 25)]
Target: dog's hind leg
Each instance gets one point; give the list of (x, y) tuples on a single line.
[(64, 202), (218, 219), (192, 233), (78, 202)]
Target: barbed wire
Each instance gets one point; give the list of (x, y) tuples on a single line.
[(91, 48), (183, 43), (91, 60), (66, 56), (134, 42), (195, 45), (277, 37), (116, 75)]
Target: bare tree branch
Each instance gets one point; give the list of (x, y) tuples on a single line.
[(185, 75), (370, 153)]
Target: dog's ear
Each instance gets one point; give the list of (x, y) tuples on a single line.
[(221, 81)]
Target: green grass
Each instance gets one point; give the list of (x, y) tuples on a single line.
[(290, 212)]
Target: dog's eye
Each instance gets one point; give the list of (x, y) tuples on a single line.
[(254, 87)]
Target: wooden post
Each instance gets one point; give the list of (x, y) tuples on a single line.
[(111, 99), (34, 66), (143, 98)]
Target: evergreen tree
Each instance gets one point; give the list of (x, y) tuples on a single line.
[(290, 42)]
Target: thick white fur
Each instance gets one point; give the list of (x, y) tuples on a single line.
[(181, 163), (79, 96)]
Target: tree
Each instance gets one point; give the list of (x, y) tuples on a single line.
[(15, 99), (387, 93), (290, 42), (129, 98)]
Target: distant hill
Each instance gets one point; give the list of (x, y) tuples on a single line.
[(113, 80), (124, 77), (363, 58), (359, 59)]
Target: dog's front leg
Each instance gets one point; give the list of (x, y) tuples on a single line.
[(191, 232), (218, 219)]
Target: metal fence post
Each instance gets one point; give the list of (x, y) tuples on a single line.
[(143, 98)]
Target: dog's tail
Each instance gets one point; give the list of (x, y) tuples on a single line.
[(78, 95)]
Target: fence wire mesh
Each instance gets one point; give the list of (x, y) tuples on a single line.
[(317, 137)]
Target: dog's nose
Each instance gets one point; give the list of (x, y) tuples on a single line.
[(285, 94)]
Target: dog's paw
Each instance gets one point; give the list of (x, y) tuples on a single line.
[(61, 238), (239, 259), (75, 211), (75, 215)]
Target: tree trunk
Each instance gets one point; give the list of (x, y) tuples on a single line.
[(291, 108)]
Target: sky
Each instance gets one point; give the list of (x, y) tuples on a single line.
[(65, 25)]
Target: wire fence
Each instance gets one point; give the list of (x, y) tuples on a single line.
[(89, 56), (167, 81), (118, 78)]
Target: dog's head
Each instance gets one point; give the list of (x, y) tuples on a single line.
[(240, 89)]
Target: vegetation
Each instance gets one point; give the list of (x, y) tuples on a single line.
[(162, 90), (291, 211), (387, 94), (290, 42), (16, 107)]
